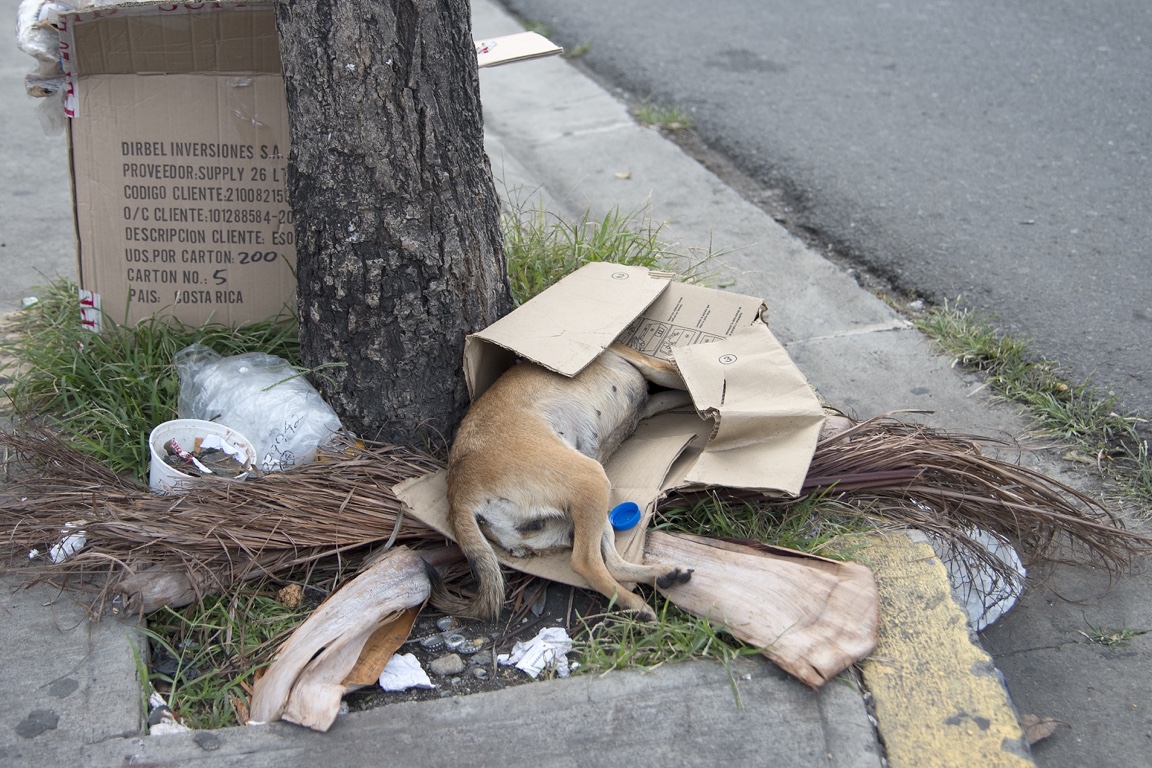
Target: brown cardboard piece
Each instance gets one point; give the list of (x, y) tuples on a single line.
[(760, 420), (178, 138)]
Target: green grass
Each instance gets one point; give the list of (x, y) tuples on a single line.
[(541, 247), (1111, 637), (814, 524), (1075, 412), (663, 116), (218, 646), (619, 641), (108, 390), (578, 51)]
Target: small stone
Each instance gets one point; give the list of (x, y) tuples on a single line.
[(63, 687), (207, 741), (291, 596), (480, 673), (38, 721), (482, 659), (451, 664)]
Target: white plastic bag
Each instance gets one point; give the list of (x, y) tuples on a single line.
[(260, 396)]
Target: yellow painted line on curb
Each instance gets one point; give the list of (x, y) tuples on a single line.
[(938, 699)]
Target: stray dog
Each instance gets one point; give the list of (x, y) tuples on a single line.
[(526, 473)]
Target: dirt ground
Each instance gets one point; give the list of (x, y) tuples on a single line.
[(553, 605)]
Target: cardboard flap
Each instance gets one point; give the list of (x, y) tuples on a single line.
[(769, 417), (701, 429), (638, 470), (150, 38), (570, 324)]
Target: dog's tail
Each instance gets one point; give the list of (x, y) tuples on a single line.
[(486, 571)]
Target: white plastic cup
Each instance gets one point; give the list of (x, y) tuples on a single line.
[(164, 479)]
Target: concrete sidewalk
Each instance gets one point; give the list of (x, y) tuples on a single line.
[(555, 134)]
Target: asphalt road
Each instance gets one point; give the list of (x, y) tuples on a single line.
[(995, 152)]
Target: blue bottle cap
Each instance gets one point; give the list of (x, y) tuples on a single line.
[(625, 516)]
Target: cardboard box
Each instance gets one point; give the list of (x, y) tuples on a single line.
[(178, 138), (757, 419)]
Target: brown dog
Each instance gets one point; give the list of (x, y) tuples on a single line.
[(525, 473)]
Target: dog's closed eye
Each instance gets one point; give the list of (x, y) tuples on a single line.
[(530, 527)]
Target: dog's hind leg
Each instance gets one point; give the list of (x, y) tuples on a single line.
[(663, 576), (589, 508)]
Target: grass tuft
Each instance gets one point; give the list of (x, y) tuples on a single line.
[(205, 656), (108, 390), (619, 641), (1077, 413), (1111, 637), (816, 524), (662, 116), (541, 247)]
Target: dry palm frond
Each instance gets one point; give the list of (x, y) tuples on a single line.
[(911, 475), (327, 512), (218, 533)]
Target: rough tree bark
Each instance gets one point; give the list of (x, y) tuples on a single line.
[(397, 220)]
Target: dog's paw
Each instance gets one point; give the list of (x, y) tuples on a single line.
[(674, 577), (642, 614)]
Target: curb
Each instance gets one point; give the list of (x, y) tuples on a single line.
[(939, 700)]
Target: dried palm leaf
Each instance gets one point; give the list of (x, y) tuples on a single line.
[(908, 474), (330, 511), (216, 533)]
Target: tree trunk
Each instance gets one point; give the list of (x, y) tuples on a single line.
[(397, 220)]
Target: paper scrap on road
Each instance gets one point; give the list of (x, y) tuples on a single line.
[(403, 671), (548, 649)]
